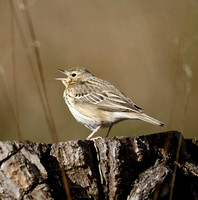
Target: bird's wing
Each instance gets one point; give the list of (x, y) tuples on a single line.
[(105, 99), (116, 103)]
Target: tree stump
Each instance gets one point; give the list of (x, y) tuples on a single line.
[(132, 168)]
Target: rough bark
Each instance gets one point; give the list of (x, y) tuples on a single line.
[(131, 168)]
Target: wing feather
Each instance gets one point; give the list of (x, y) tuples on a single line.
[(105, 97)]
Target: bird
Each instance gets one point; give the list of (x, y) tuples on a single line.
[(98, 104)]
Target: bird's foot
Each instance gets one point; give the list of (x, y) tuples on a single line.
[(95, 138)]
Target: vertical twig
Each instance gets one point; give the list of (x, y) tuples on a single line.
[(175, 96), (187, 96), (64, 177), (40, 68), (29, 59), (14, 70)]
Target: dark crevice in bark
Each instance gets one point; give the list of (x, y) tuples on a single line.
[(112, 168)]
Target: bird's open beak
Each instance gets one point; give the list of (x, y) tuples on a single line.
[(60, 70), (61, 79)]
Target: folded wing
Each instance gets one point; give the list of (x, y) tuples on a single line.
[(105, 99)]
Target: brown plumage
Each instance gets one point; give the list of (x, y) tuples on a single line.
[(96, 103)]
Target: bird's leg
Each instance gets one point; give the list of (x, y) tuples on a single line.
[(109, 131), (94, 131)]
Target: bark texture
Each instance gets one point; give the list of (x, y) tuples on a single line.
[(132, 168)]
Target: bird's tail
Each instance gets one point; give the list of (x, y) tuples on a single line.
[(149, 119)]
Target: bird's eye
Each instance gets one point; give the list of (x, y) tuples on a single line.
[(74, 74)]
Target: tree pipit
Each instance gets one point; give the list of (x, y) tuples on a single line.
[(96, 103)]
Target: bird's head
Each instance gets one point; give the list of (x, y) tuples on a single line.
[(74, 75)]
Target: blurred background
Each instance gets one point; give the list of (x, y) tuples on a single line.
[(147, 49)]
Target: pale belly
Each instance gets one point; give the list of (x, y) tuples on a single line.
[(87, 121), (92, 118)]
